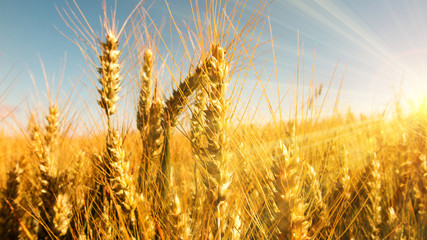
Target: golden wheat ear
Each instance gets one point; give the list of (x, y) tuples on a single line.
[(52, 127), (216, 156), (55, 212), (197, 121), (291, 219), (149, 112), (109, 75), (174, 106), (180, 96), (178, 222), (196, 137), (144, 102), (120, 203), (10, 211), (109, 78)]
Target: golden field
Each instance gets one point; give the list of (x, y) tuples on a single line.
[(190, 167)]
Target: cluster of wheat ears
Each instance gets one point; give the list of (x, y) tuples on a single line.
[(217, 178)]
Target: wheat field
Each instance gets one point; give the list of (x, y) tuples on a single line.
[(189, 167)]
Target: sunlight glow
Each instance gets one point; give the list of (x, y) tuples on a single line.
[(414, 89)]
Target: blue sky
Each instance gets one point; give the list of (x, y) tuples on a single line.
[(383, 43)]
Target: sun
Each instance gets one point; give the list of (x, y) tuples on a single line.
[(414, 91), (405, 76)]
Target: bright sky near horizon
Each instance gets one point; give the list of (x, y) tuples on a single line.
[(383, 43)]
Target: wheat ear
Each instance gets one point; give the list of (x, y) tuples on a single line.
[(143, 117), (171, 112), (215, 160), (155, 139), (179, 225), (291, 220), (116, 168), (55, 216), (175, 104), (109, 75), (144, 102), (9, 209), (197, 121), (120, 179), (52, 127), (317, 208), (109, 78), (155, 133), (197, 131), (46, 175), (62, 214), (367, 202), (375, 198), (149, 121)]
